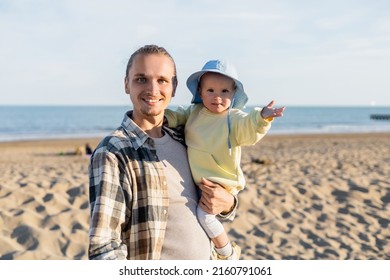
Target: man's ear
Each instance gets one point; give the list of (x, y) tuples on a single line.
[(126, 87)]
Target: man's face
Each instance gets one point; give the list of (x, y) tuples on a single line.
[(150, 86)]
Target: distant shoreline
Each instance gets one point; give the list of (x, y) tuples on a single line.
[(25, 123)]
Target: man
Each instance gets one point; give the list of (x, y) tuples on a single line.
[(143, 200)]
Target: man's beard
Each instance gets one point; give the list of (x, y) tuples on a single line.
[(151, 113)]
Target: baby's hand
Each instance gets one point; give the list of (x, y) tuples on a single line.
[(269, 112)]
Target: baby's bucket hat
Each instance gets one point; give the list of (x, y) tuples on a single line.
[(225, 68)]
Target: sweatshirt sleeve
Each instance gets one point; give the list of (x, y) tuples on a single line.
[(177, 117), (250, 128)]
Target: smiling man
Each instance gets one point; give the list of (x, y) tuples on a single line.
[(151, 83), (142, 196)]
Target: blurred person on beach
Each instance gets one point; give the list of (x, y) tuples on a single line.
[(88, 149), (215, 130), (142, 197)]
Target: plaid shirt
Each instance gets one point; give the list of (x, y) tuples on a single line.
[(128, 196)]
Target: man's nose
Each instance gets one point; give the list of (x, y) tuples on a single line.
[(153, 87)]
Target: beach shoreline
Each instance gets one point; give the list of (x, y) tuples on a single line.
[(308, 196)]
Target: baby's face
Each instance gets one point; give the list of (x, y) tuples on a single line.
[(216, 91)]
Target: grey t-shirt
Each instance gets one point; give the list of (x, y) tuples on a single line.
[(185, 239)]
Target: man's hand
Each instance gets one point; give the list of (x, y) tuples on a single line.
[(215, 199), (269, 112)]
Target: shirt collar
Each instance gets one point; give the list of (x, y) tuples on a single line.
[(137, 136)]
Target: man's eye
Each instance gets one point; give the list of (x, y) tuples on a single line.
[(163, 81), (141, 80)]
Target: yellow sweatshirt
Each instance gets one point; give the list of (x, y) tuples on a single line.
[(206, 135)]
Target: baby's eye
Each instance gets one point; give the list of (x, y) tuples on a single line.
[(225, 91), (210, 90)]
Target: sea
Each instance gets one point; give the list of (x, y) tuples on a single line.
[(63, 122)]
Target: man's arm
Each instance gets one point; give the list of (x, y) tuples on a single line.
[(107, 209), (217, 200)]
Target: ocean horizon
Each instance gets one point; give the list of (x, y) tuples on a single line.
[(64, 121)]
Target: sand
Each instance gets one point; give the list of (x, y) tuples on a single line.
[(307, 197)]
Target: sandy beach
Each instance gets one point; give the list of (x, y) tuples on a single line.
[(307, 197)]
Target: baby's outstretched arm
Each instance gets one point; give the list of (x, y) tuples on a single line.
[(269, 112)]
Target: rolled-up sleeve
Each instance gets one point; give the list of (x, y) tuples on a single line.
[(229, 216)]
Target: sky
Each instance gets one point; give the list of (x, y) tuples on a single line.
[(74, 52)]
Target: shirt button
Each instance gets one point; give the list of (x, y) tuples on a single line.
[(165, 183), (165, 212)]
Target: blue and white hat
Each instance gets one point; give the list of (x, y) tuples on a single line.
[(222, 67)]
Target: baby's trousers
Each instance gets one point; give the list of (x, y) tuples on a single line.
[(210, 223)]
